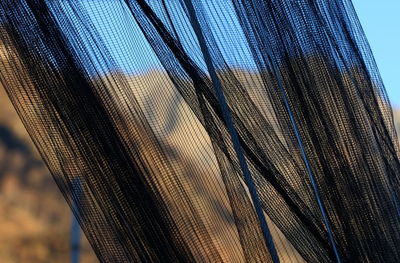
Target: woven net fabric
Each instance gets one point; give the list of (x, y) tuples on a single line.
[(122, 99)]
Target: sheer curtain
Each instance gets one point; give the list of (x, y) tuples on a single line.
[(124, 98)]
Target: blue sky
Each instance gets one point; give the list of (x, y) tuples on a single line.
[(380, 20), (381, 23)]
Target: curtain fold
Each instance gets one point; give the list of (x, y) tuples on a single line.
[(117, 96)]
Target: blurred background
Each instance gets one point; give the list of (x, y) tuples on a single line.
[(35, 221)]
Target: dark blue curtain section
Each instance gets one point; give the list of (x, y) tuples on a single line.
[(209, 131)]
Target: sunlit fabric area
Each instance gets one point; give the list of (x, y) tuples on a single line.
[(201, 131)]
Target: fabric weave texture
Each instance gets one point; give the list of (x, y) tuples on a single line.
[(118, 96)]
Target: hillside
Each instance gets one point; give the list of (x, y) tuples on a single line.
[(35, 220), (397, 120)]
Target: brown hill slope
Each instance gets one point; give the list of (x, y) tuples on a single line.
[(35, 220), (396, 114)]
